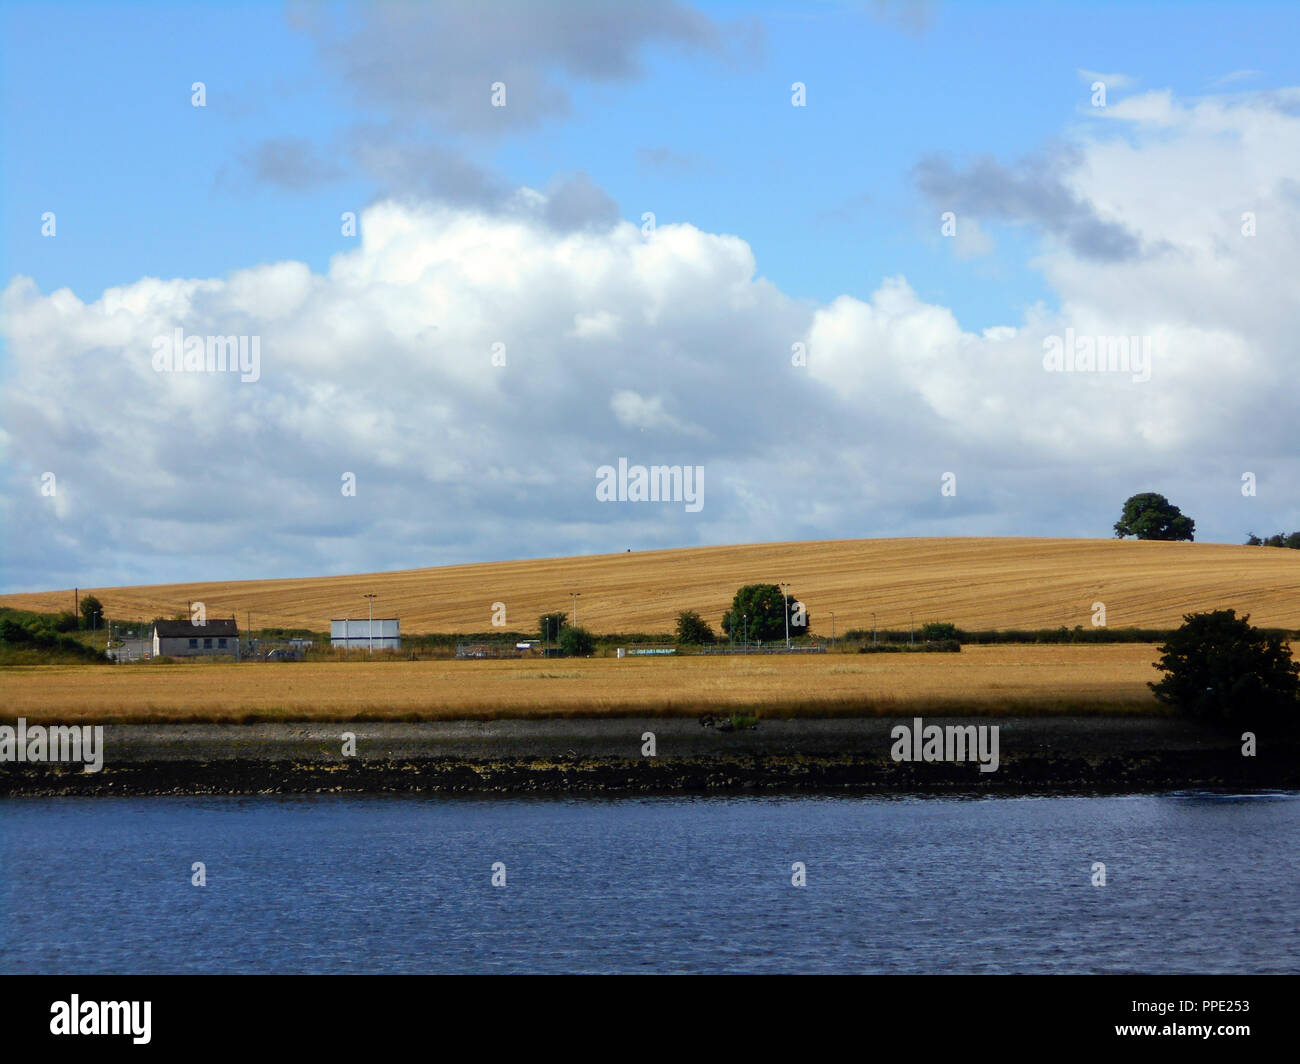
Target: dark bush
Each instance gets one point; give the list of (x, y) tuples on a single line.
[(939, 630), (694, 630), (577, 642), (1221, 669)]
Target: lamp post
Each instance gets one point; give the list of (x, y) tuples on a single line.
[(370, 600), (785, 599)]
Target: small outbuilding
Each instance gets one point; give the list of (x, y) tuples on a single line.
[(383, 633)]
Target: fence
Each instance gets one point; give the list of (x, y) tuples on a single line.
[(762, 650), (489, 650)]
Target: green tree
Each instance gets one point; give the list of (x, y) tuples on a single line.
[(1220, 668), (577, 642), (758, 611), (694, 630), (92, 612), (1152, 516), (549, 625), (937, 631), (1280, 540)]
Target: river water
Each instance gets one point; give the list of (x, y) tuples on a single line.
[(1193, 883)]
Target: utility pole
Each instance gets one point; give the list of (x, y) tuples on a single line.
[(832, 629), (911, 624), (873, 629), (785, 598), (371, 599), (574, 595)]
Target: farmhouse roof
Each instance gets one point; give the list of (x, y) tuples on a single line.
[(187, 630)]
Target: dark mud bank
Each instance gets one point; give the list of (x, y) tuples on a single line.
[(1036, 755)]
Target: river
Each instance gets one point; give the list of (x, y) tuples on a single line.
[(1194, 882)]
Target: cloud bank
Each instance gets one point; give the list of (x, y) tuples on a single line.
[(473, 368)]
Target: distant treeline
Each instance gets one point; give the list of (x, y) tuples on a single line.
[(30, 638), (1077, 634), (1280, 540)]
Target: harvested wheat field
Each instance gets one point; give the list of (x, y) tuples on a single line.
[(974, 583), (982, 679)]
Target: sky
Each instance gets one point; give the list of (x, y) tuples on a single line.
[(819, 254)]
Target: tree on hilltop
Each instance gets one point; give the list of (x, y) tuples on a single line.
[(1151, 516)]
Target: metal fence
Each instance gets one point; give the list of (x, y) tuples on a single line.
[(762, 650)]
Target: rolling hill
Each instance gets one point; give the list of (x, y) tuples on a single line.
[(973, 582)]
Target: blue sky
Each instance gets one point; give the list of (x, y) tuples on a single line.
[(98, 122), (777, 225)]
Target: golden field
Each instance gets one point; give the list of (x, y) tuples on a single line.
[(974, 583), (998, 679)]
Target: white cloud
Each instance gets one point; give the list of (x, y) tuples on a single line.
[(635, 411), (666, 349)]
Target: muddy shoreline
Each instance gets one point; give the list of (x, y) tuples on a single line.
[(1064, 755)]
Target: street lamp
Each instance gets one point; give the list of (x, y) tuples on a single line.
[(785, 598), (370, 597)]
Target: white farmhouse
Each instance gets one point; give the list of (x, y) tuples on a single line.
[(184, 639)]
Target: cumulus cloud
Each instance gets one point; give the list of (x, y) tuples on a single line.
[(635, 411), (1033, 192), (474, 367)]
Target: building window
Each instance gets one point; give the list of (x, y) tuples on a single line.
[(221, 642), (194, 644), (207, 644)]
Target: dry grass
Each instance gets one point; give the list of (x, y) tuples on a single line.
[(983, 679), (975, 583)]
